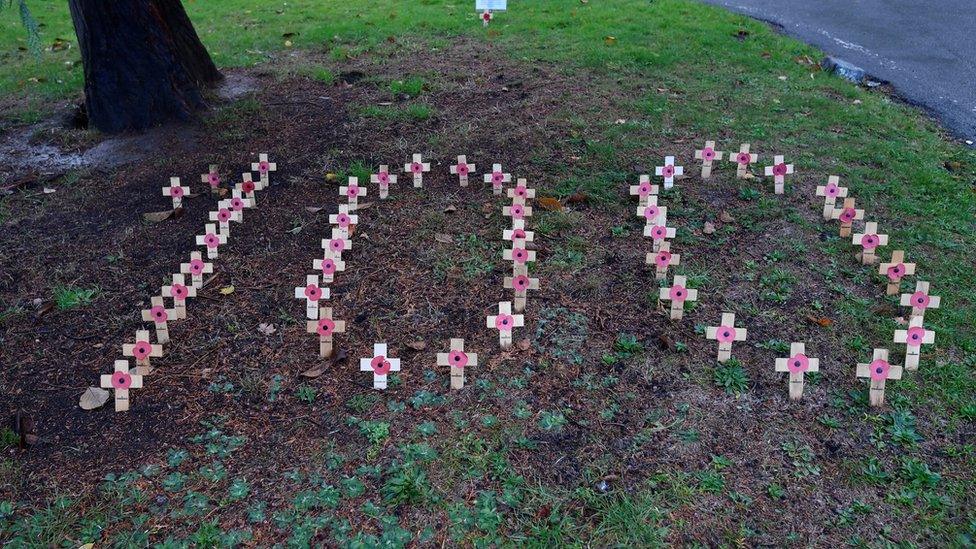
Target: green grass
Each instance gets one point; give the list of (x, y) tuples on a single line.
[(70, 297)]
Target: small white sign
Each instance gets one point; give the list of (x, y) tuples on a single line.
[(493, 5)]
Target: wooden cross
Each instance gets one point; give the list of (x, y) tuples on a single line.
[(651, 212), (779, 170), (659, 232), (262, 166), (248, 186), (462, 169), (352, 192), (457, 359), (920, 300), (668, 171), (869, 241), (212, 239), (878, 371), (913, 338), (417, 168), (142, 350), (895, 270), (643, 189), (521, 192), (517, 211), (212, 178), (707, 154), (505, 322), (518, 255), (159, 315), (831, 192), (384, 178), (521, 283), (677, 294), (486, 17), (518, 232), (725, 334), (176, 192), (224, 215), (178, 291), (329, 265), (380, 365), (336, 245), (497, 178), (797, 364), (846, 214), (311, 292), (325, 327), (120, 382), (662, 260), (344, 220), (196, 268), (742, 159), (238, 202)]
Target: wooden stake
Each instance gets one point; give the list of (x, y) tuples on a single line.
[(677, 294), (142, 350), (879, 371), (895, 270), (458, 360), (462, 169), (178, 291), (847, 214), (662, 260), (380, 364), (497, 178), (797, 364), (212, 239), (417, 168), (325, 327), (384, 178), (869, 241), (707, 154), (196, 268), (311, 293), (159, 315), (913, 338), (121, 381), (779, 170), (176, 192), (505, 322), (521, 283), (831, 192), (920, 300), (726, 334), (669, 171), (742, 160), (262, 166)]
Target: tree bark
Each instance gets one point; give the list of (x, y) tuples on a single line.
[(144, 63)]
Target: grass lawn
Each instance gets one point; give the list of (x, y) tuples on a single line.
[(617, 427)]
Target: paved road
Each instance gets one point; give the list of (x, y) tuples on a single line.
[(925, 48)]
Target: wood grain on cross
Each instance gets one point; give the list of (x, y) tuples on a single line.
[(895, 270), (779, 170), (921, 299), (497, 178), (505, 322), (352, 191), (914, 337), (263, 167), (669, 171), (677, 294), (196, 268), (329, 265), (707, 154), (643, 189), (458, 360), (879, 371), (797, 364), (726, 334), (462, 169), (212, 178), (223, 216), (380, 364), (212, 239), (344, 220), (178, 291), (831, 192), (662, 259), (121, 381), (846, 214), (517, 211), (142, 350), (247, 186), (336, 245), (311, 292), (417, 167), (384, 179), (176, 192), (869, 241), (521, 283), (325, 327), (742, 160), (160, 316), (521, 192)]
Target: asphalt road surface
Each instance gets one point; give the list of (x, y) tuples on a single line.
[(925, 48)]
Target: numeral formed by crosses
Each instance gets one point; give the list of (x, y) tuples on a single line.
[(352, 191), (518, 233), (212, 178), (458, 360), (869, 241), (142, 350), (224, 215), (521, 283), (677, 294), (344, 220), (329, 266), (895, 270), (797, 364), (311, 292), (518, 255), (831, 192), (248, 186), (779, 170), (384, 179), (517, 211), (196, 268), (486, 18), (176, 192), (380, 364), (497, 178), (178, 291), (417, 167), (160, 316), (662, 259), (742, 160), (879, 371), (336, 245), (920, 300), (669, 171), (120, 381), (913, 338), (462, 169), (726, 334), (505, 322), (659, 232), (325, 327), (212, 239), (263, 167), (846, 214), (643, 189), (707, 154), (521, 192), (651, 213)]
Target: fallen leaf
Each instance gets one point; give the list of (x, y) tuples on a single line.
[(156, 217), (578, 198), (314, 372), (726, 217), (330, 176), (313, 209), (524, 344), (266, 329), (443, 238), (295, 230), (45, 309), (418, 345), (93, 397), (226, 290), (667, 342), (339, 356), (821, 321), (609, 40), (709, 228), (549, 203), (450, 208)]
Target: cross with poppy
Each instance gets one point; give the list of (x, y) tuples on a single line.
[(120, 381), (895, 270), (486, 17), (518, 255), (517, 211), (462, 169), (212, 178), (779, 170), (831, 192), (677, 294), (178, 291), (159, 315), (142, 350), (248, 186), (352, 191), (726, 333), (384, 179), (212, 239), (325, 327), (497, 178), (643, 189), (238, 202), (196, 268), (224, 215), (311, 292), (521, 283), (797, 364), (262, 166), (329, 265), (913, 338), (457, 359), (869, 241), (176, 192), (505, 322), (417, 167), (920, 300), (659, 232), (742, 159), (668, 171), (337, 244), (847, 214), (879, 371), (662, 259), (707, 154), (521, 192), (651, 212), (380, 364), (345, 220), (518, 233)]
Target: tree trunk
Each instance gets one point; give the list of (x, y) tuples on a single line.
[(144, 63)]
